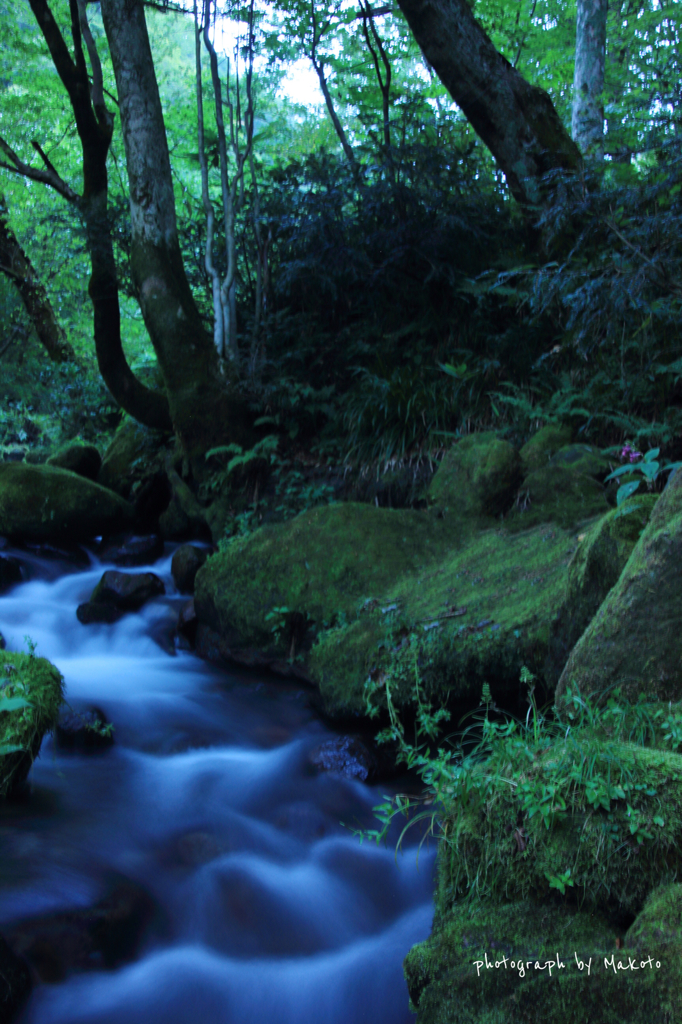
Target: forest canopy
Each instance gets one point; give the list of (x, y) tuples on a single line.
[(392, 262)]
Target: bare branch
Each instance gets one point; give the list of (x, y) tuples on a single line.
[(97, 92), (46, 177)]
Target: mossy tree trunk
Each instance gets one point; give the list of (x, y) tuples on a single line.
[(202, 409), (517, 121), (16, 265)]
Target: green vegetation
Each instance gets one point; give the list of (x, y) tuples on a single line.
[(31, 691)]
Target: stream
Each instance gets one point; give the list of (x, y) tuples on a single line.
[(268, 909)]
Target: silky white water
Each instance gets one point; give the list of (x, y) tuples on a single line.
[(270, 910)]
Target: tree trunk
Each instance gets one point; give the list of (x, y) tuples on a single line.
[(17, 266), (587, 122), (94, 125), (517, 121), (203, 413)]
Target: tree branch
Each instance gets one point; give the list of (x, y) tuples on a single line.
[(47, 177)]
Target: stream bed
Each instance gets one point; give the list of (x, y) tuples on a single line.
[(266, 909)]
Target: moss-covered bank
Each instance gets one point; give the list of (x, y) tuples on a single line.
[(31, 691)]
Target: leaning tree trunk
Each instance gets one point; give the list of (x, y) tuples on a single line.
[(587, 122), (17, 266), (517, 121), (202, 411)]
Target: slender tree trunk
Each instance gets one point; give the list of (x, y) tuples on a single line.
[(17, 266), (517, 121), (587, 122), (203, 413), (94, 125)]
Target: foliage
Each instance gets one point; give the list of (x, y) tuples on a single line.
[(540, 776)]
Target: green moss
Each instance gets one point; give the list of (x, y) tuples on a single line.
[(595, 567), (634, 640), (478, 612), (558, 495), (477, 478), (134, 453), (37, 681), (46, 503), (537, 452), (320, 564), (608, 812), (446, 988), (582, 458)]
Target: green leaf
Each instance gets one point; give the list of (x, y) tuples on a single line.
[(651, 454), (13, 703), (658, 820), (9, 748), (625, 491), (619, 472)]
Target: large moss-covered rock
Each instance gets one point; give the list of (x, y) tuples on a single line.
[(46, 503), (135, 454), (557, 494), (24, 677), (373, 588), (608, 812), (450, 982), (537, 452), (320, 565), (635, 641), (595, 567), (477, 478), (582, 458), (80, 458)]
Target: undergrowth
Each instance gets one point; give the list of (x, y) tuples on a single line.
[(585, 800)]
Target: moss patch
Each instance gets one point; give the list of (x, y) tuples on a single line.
[(595, 567), (37, 681), (634, 640), (557, 494), (445, 985), (46, 503), (537, 452), (477, 478)]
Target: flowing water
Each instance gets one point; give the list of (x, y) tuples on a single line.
[(269, 910)]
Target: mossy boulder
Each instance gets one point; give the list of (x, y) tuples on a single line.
[(601, 556), (80, 458), (582, 458), (449, 979), (634, 640), (320, 565), (537, 452), (477, 478), (371, 589), (607, 811), (25, 678), (42, 503), (135, 454), (557, 494)]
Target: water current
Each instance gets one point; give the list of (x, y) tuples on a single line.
[(269, 910)]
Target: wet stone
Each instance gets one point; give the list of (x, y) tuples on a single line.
[(10, 572), (15, 983), (103, 936), (186, 563), (126, 591), (187, 624), (91, 612), (82, 731), (130, 551), (344, 755)]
